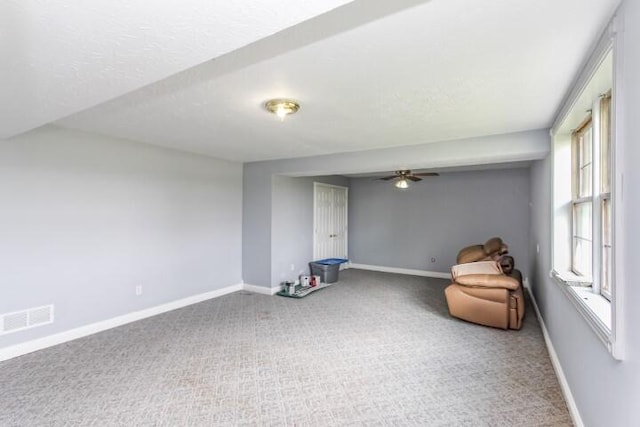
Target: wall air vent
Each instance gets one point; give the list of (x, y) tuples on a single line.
[(25, 319)]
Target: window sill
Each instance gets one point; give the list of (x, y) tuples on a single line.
[(599, 305), (595, 309)]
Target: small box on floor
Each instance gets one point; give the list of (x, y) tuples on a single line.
[(305, 280), (327, 269)]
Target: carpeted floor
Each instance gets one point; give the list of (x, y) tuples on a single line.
[(375, 349)]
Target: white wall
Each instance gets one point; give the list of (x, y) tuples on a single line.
[(84, 219), (437, 217), (606, 391)]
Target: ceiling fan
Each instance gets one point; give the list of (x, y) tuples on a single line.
[(403, 177)]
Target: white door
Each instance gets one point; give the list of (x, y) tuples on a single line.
[(329, 221)]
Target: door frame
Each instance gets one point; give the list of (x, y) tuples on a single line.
[(346, 214)]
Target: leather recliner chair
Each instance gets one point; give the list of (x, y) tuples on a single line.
[(486, 289)]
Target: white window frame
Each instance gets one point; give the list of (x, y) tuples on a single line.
[(578, 198), (604, 194), (596, 121), (604, 316)]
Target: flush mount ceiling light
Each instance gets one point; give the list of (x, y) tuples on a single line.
[(282, 107)]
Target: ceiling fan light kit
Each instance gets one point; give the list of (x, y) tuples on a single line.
[(402, 184), (403, 177)]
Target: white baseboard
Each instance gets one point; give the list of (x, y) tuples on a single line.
[(83, 331), (409, 271), (564, 385), (261, 289)]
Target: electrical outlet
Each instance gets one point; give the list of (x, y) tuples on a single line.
[(293, 267), (433, 259), (139, 290)]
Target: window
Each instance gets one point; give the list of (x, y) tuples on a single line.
[(581, 257), (591, 210), (604, 198), (586, 236)]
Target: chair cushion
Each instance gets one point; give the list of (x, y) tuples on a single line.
[(495, 246), (492, 245), (486, 306), (471, 254)]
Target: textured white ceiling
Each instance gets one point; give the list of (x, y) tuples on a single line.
[(60, 57), (368, 75)]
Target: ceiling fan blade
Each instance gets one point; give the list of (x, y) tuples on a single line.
[(426, 174), (387, 178), (413, 178)]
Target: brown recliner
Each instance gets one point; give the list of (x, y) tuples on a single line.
[(486, 289)]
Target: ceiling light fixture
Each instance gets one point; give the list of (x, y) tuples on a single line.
[(282, 107), (402, 184)]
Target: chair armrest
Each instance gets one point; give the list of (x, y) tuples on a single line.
[(488, 281)]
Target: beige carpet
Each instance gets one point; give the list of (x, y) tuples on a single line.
[(375, 349)]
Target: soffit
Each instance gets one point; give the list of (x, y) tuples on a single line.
[(60, 57)]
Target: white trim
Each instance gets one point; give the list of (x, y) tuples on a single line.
[(609, 40), (555, 362), (409, 271), (598, 53), (598, 306), (93, 328), (261, 289), (598, 325), (618, 142)]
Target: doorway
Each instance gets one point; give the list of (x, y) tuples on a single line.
[(330, 204)]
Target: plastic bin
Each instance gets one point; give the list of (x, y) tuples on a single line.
[(327, 269)]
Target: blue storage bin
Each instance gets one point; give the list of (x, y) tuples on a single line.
[(331, 261), (327, 269)]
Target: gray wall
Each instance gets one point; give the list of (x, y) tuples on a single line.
[(277, 224), (606, 391), (258, 188), (256, 226), (85, 219), (437, 217), (292, 224)]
